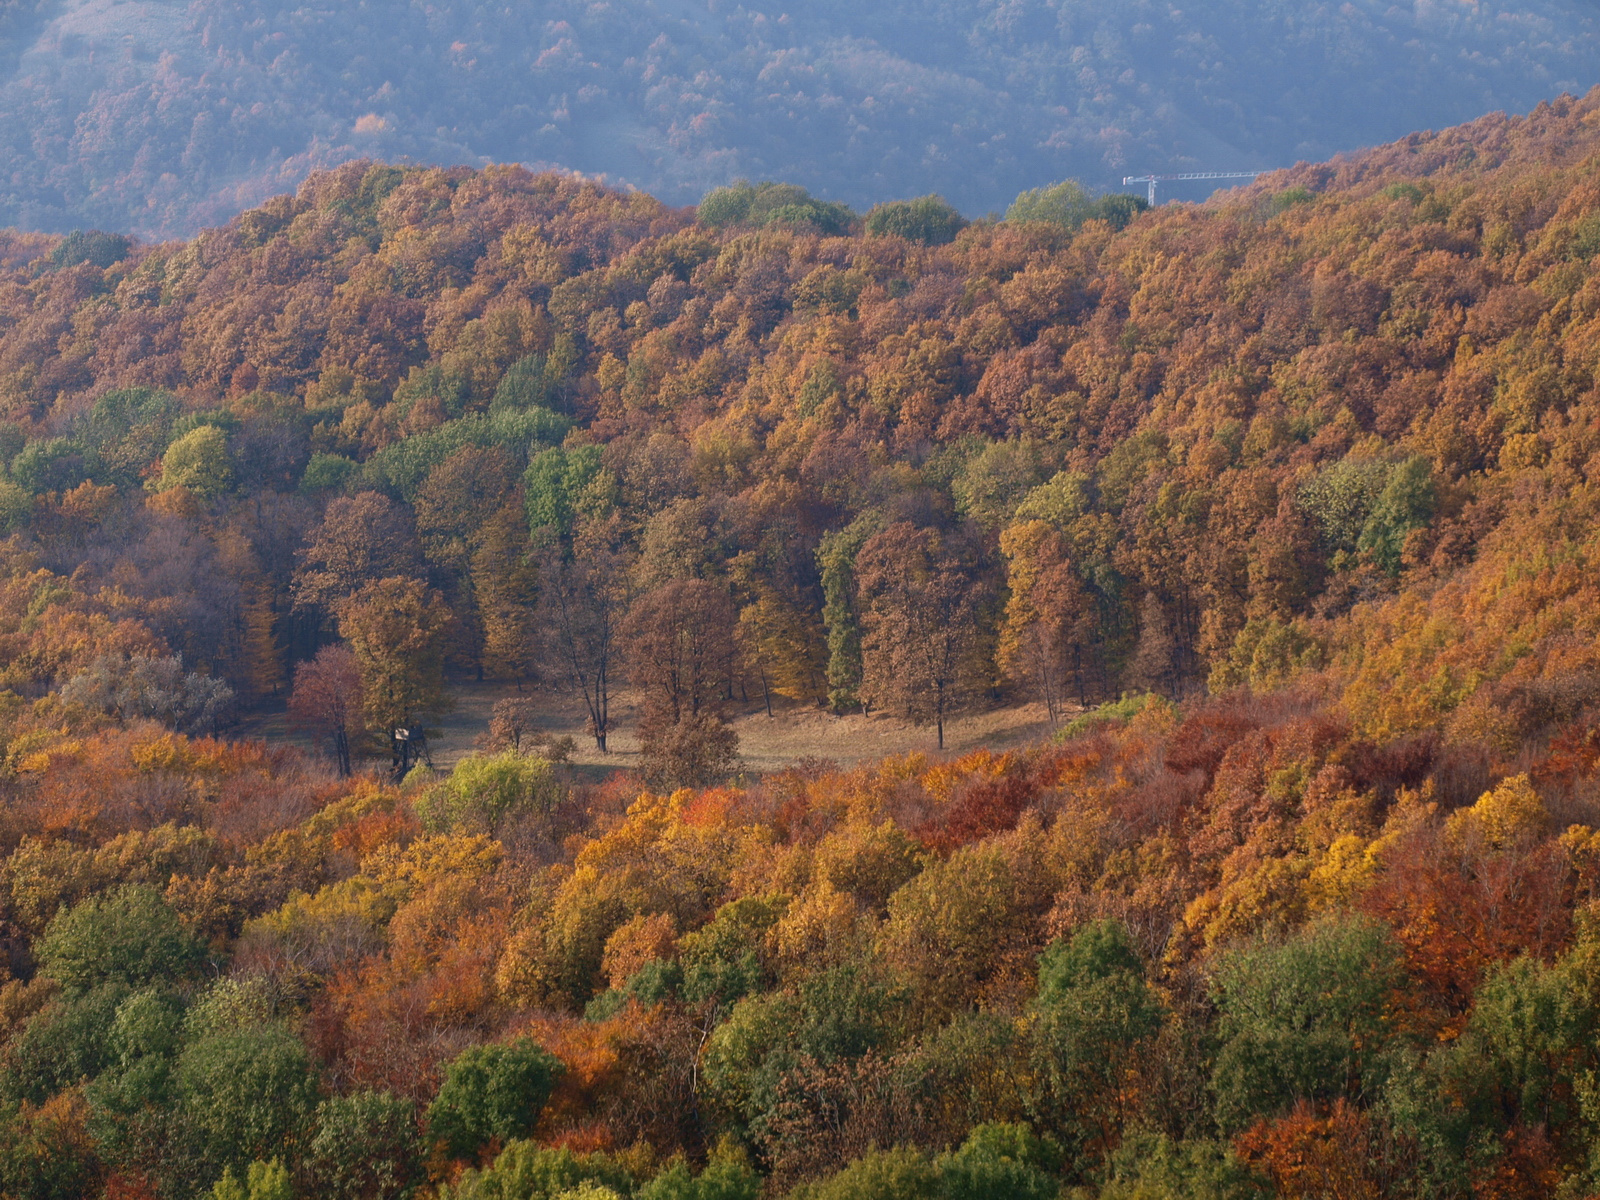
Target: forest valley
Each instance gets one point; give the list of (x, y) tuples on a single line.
[(1284, 506)]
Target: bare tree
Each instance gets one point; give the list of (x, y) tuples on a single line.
[(681, 648), (581, 610), (146, 687), (1038, 658)]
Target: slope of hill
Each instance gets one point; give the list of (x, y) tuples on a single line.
[(1295, 489), (158, 117), (1220, 422)]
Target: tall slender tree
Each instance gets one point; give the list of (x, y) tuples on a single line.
[(919, 605), (582, 606), (397, 629), (327, 700), (682, 654), (681, 648), (1050, 625)]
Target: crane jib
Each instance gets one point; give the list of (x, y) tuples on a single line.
[(1152, 180)]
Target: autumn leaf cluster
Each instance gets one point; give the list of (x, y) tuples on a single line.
[(1280, 507)]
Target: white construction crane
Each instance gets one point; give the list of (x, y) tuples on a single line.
[(1153, 179)]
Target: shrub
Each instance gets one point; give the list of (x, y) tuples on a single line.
[(492, 1092), (144, 687), (927, 219), (365, 1147), (91, 246), (129, 936), (1125, 709), (696, 751), (486, 790)]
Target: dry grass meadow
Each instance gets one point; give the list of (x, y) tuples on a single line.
[(766, 744)]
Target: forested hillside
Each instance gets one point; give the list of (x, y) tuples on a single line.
[(1281, 506), (159, 117)]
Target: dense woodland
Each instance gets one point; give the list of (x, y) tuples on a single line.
[(1281, 505), (163, 117)]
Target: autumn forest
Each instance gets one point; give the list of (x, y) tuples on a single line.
[(1278, 508)]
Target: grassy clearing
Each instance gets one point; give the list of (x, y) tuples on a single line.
[(766, 744)]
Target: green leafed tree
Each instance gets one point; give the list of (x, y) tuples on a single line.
[(491, 1093), (1155, 1167), (836, 559), (898, 1174), (560, 485), (726, 1177), (1308, 1018), (1093, 1009), (526, 384), (129, 936), (526, 1169), (1001, 1161), (366, 1147), (245, 1094), (927, 219), (262, 1181), (127, 429), (1407, 502), (198, 461), (1067, 204), (762, 204), (1064, 203)]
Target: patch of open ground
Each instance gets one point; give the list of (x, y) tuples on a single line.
[(766, 744)]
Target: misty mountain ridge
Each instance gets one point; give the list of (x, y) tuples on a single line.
[(158, 118)]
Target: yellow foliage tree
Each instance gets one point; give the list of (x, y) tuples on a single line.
[(1510, 815)]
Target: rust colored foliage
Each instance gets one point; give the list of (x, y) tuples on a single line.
[(1310, 1154), (1279, 510), (327, 701), (985, 807), (1458, 909)]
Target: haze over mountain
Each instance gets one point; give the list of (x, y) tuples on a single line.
[(158, 117)]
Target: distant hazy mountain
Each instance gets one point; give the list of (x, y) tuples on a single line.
[(159, 116)]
